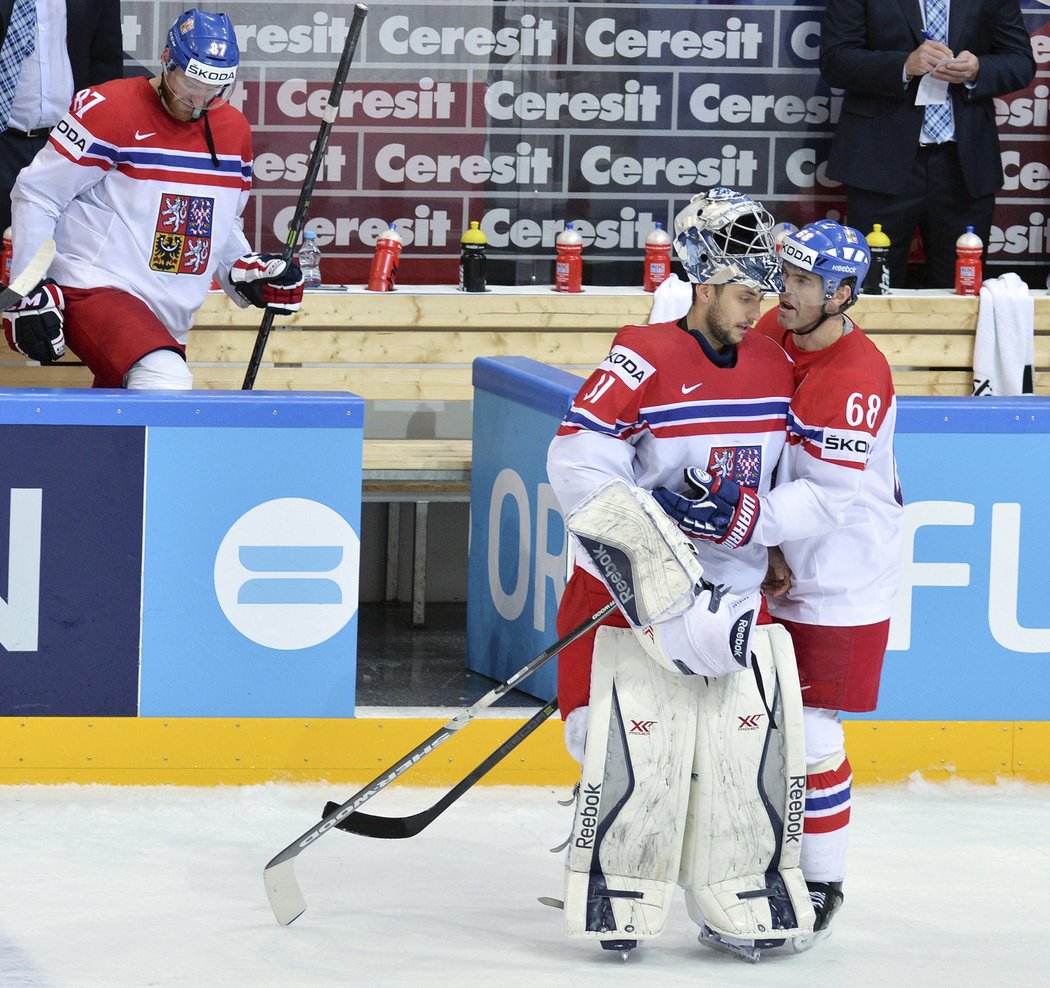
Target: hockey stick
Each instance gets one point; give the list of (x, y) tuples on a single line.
[(400, 827), (282, 888), (11, 295), (295, 228)]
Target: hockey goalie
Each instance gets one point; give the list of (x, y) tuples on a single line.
[(684, 710)]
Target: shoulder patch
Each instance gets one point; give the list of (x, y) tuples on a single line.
[(847, 446), (627, 365)]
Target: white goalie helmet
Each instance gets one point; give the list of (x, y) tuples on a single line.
[(725, 237)]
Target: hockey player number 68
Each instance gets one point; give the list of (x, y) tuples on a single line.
[(855, 413)]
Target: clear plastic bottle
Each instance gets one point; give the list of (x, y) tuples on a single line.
[(310, 260)]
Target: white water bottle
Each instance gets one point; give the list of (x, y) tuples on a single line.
[(310, 260)]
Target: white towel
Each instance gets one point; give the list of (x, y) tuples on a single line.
[(1004, 347), (671, 300)]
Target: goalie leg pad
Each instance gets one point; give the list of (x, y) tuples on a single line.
[(649, 566), (740, 860), (625, 848)]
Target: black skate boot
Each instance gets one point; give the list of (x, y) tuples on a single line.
[(826, 897)]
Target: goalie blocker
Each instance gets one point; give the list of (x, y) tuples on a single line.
[(695, 782)]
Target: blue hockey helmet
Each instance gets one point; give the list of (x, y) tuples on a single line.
[(830, 250), (204, 46), (725, 237)]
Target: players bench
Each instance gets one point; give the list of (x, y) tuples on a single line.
[(409, 353)]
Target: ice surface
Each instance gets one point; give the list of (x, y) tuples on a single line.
[(153, 886)]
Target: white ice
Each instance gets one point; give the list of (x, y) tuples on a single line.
[(111, 886)]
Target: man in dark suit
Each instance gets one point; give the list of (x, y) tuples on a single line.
[(905, 166), (86, 52)]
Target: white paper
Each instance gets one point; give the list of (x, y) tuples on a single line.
[(933, 91)]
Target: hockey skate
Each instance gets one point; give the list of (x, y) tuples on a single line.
[(748, 950), (827, 897)]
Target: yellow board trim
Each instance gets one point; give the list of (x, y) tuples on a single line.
[(216, 751)]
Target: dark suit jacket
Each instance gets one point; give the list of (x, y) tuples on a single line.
[(93, 39), (863, 49)]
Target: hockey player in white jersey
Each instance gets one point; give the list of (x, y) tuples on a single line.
[(683, 711), (142, 186), (835, 513)]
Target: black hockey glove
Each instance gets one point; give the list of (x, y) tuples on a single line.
[(268, 281), (34, 326)]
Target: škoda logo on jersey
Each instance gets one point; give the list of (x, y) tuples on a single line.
[(182, 237), (628, 366)]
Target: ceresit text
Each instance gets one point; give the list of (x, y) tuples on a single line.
[(526, 166), (534, 38), (636, 104), (739, 41), (708, 105), (600, 165), (296, 98)]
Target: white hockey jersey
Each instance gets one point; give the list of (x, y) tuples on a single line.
[(659, 403), (837, 508), (134, 201)]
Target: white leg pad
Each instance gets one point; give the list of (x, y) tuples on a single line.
[(740, 860), (625, 851)]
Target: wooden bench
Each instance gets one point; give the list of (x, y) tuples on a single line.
[(417, 344)]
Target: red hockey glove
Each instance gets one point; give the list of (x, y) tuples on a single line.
[(268, 281)]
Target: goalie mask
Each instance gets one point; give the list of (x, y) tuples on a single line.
[(725, 237), (832, 251), (201, 65)]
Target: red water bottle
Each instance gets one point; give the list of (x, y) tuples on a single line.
[(568, 264), (657, 258), (384, 264), (968, 250), (5, 258)]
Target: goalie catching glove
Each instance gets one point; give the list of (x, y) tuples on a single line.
[(268, 281), (721, 510), (34, 326)]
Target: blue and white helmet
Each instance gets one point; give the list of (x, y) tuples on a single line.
[(204, 46), (724, 237), (830, 250)]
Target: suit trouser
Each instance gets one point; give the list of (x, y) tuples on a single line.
[(16, 151), (934, 199)]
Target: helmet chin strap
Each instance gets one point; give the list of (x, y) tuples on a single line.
[(167, 97), (824, 317)]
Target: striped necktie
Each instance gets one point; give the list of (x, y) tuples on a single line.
[(938, 115), (19, 42)]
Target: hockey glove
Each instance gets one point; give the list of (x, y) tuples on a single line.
[(268, 282), (34, 326), (721, 510)]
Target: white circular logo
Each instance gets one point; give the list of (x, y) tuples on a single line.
[(286, 573)]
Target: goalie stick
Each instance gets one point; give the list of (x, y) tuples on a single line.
[(11, 295), (400, 827), (295, 228), (282, 888)]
